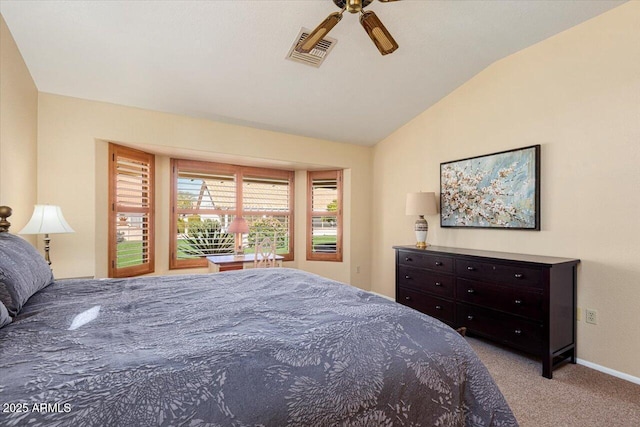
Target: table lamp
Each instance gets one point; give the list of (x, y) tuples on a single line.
[(238, 226), (46, 219)]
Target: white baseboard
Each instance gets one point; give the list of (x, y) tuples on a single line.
[(383, 296), (609, 371)]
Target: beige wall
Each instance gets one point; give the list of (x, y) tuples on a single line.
[(578, 95), (18, 132), (72, 143)]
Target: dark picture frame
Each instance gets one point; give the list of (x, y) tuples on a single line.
[(498, 191)]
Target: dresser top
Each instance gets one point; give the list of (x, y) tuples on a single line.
[(537, 259)]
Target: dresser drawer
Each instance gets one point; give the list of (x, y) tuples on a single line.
[(505, 329), (436, 307), (425, 280), (499, 273), (521, 301), (429, 261)]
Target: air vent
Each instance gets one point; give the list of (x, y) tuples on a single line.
[(317, 54)]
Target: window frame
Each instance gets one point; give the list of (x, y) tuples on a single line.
[(196, 166), (338, 176), (289, 175), (114, 271)]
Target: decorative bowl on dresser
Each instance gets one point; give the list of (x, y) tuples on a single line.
[(527, 302)]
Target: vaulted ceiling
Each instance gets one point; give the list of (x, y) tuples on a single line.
[(225, 60)]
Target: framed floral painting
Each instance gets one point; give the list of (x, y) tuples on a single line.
[(499, 190)]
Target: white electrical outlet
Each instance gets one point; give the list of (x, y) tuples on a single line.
[(591, 316)]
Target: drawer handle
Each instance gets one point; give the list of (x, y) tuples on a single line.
[(438, 307), (471, 268), (438, 284), (518, 276), (471, 291), (469, 317), (518, 302), (408, 298), (517, 332), (408, 259), (438, 263), (407, 277)]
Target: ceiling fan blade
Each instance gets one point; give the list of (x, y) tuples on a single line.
[(387, 1), (306, 45), (378, 33)]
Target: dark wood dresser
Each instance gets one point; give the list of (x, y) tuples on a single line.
[(527, 302)]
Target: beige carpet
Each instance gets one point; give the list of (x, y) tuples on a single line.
[(576, 396)]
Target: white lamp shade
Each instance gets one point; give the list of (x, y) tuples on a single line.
[(47, 219), (421, 204)]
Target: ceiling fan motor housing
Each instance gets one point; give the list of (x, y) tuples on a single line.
[(352, 6)]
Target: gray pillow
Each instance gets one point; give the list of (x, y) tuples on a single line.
[(23, 272), (4, 315)]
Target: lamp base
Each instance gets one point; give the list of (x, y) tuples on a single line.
[(238, 251), (421, 229), (47, 240)]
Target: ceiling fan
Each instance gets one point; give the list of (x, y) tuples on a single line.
[(372, 25)]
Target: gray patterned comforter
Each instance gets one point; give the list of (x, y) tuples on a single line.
[(272, 347)]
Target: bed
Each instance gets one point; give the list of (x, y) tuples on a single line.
[(264, 347)]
